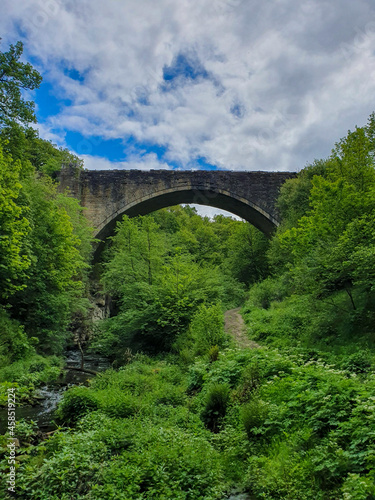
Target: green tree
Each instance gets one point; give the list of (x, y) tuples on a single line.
[(16, 76), (328, 249), (58, 263), (294, 199), (24, 144), (14, 229), (207, 328), (156, 283), (247, 250)]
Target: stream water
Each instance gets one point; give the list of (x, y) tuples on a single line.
[(50, 395)]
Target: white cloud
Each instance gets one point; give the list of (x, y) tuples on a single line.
[(205, 211), (286, 79), (145, 162)]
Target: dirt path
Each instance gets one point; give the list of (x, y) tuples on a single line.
[(235, 326)]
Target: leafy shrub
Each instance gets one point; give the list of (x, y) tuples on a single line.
[(170, 395), (250, 381), (253, 416), (76, 402), (37, 366), (35, 370), (186, 356), (213, 353), (357, 487), (117, 403), (14, 343), (281, 475), (358, 362), (197, 374), (25, 394), (26, 430), (124, 459), (207, 328), (216, 404), (264, 293)]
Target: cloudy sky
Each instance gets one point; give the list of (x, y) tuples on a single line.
[(213, 84)]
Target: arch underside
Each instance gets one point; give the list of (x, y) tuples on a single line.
[(225, 201)]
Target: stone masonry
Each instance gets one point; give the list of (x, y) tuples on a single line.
[(109, 194)]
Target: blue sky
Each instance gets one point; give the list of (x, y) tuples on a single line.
[(208, 84), (50, 101)]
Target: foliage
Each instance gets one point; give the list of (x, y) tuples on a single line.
[(15, 228), (14, 344), (358, 487), (215, 408), (213, 353), (254, 415), (25, 394), (157, 286), (76, 403), (16, 76), (293, 201), (27, 374), (290, 419), (45, 242), (246, 253), (25, 145), (48, 299), (26, 430), (207, 328), (302, 430), (161, 451), (324, 251)]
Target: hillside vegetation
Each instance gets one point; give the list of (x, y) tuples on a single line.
[(185, 412)]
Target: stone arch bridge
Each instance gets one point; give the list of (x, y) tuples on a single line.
[(107, 195)]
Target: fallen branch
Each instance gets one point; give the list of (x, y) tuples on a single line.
[(84, 370)]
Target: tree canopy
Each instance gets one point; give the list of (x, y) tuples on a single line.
[(15, 77)]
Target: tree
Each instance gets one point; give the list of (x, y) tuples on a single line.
[(247, 249), (293, 202), (14, 229), (16, 76), (57, 246), (158, 282), (330, 247)]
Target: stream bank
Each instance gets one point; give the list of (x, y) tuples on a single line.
[(49, 395)]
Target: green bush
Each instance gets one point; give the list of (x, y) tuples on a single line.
[(250, 381), (216, 404), (14, 344), (76, 402), (118, 404), (264, 293), (357, 487), (213, 353), (196, 378), (32, 372), (137, 434), (207, 328), (359, 362), (25, 394), (26, 431), (253, 416)]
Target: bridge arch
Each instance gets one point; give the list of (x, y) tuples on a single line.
[(107, 195), (219, 198), (222, 199)]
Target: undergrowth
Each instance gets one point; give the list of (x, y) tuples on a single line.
[(277, 424)]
